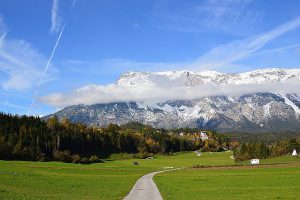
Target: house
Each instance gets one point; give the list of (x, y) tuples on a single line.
[(181, 134), (294, 153), (198, 153), (254, 161), (203, 135)]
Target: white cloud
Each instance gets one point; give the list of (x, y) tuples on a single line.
[(92, 94), (225, 55), (11, 105), (217, 15), (46, 68), (224, 13), (21, 64), (55, 20), (48, 63), (219, 57), (117, 66), (2, 25)]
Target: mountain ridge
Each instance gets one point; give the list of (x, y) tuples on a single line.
[(261, 111)]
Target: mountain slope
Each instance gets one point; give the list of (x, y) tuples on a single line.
[(263, 111)]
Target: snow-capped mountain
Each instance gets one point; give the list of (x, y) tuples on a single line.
[(189, 78), (260, 111)]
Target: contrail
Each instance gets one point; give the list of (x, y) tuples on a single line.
[(54, 25), (49, 61)]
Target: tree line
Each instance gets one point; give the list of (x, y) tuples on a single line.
[(31, 138), (247, 151)]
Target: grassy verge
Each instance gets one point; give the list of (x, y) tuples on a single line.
[(263, 182), (110, 180), (115, 178)]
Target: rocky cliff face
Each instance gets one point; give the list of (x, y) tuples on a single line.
[(252, 112)]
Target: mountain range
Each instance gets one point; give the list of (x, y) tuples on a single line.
[(246, 110)]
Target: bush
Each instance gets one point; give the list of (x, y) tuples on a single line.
[(198, 166), (143, 155), (95, 159), (22, 154), (76, 158), (41, 157), (85, 160), (63, 156), (5, 151)]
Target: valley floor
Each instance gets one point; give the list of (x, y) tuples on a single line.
[(268, 182), (115, 178)]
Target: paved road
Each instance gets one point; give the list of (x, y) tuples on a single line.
[(145, 189)]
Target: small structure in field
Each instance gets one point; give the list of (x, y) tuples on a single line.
[(168, 167), (198, 153), (203, 135), (294, 153), (254, 161), (135, 163), (149, 158)]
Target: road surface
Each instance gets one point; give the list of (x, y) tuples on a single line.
[(145, 189)]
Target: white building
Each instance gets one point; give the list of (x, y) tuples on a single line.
[(203, 135), (198, 153), (254, 161), (294, 153)]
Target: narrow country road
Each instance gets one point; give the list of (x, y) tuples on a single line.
[(145, 189)]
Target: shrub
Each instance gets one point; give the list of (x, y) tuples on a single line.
[(41, 157), (198, 166), (76, 158), (143, 155), (5, 150), (94, 159), (63, 156), (85, 160)]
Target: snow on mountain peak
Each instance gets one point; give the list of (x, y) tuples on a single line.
[(189, 78)]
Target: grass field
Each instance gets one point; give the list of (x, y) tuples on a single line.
[(240, 182), (115, 178), (110, 180)]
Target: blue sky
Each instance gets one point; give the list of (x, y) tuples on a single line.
[(97, 41)]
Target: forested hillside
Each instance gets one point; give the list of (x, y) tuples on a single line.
[(30, 138), (247, 151)]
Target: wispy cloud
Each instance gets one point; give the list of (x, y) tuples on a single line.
[(13, 95), (217, 15), (48, 63), (117, 66), (11, 105), (55, 20), (2, 25), (222, 57), (157, 92), (227, 13), (225, 55), (21, 64), (219, 57)]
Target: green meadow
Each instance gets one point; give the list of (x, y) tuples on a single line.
[(114, 178), (279, 178)]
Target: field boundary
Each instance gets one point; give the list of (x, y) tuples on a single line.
[(247, 166)]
